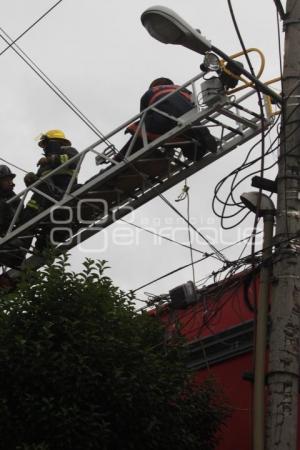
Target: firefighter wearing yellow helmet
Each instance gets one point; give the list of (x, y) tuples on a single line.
[(57, 151), (53, 134)]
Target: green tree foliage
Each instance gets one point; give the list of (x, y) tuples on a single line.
[(80, 370)]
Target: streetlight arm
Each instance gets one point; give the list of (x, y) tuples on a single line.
[(261, 86)]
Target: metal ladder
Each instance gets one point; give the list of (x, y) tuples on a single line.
[(123, 186)]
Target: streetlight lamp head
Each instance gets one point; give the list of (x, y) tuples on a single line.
[(161, 28), (265, 205), (168, 27)]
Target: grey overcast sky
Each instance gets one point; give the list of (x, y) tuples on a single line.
[(99, 54)]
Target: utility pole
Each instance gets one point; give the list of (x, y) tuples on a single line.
[(283, 373)]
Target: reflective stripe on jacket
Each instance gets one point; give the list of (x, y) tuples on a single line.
[(61, 156), (161, 91)]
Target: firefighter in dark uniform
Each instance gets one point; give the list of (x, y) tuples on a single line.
[(7, 210), (9, 252), (57, 151), (157, 124)]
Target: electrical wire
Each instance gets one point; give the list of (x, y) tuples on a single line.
[(189, 234), (161, 236), (279, 8), (217, 253), (242, 167), (188, 265), (30, 27), (234, 174), (206, 321), (162, 196), (13, 165), (260, 102), (73, 107), (270, 150), (238, 263), (55, 89)]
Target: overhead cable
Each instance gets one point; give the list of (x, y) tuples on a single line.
[(161, 236), (260, 102), (217, 252), (280, 9), (189, 264), (30, 27), (57, 91)]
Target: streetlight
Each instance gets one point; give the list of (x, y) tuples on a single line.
[(166, 26), (263, 206)]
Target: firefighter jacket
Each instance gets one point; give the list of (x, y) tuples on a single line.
[(56, 185), (58, 155), (7, 210), (176, 105)]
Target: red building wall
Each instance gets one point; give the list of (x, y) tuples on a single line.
[(236, 435), (221, 308)]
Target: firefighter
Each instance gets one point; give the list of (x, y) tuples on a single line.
[(57, 151), (7, 210), (158, 124), (9, 252)]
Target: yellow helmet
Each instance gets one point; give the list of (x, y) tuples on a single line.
[(53, 134)]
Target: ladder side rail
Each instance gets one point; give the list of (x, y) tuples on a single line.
[(36, 261), (138, 154), (124, 125), (190, 117), (160, 188), (108, 136)]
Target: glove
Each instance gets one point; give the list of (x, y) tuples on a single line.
[(30, 178), (46, 160)]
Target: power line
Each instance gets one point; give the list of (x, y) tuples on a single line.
[(161, 236), (189, 264), (280, 9), (189, 234), (235, 173), (220, 257), (57, 91), (13, 165), (30, 27), (260, 102), (75, 109), (238, 171), (46, 79)]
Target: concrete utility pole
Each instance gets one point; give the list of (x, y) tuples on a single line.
[(283, 374)]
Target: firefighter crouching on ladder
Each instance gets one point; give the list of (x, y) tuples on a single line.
[(156, 124), (57, 151)]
